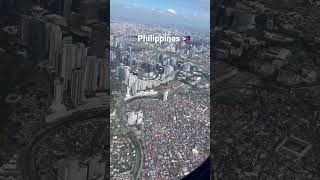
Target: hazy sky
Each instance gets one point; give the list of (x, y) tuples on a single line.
[(189, 13)]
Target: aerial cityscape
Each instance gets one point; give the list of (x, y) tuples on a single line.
[(160, 123), (55, 92), (265, 75), (160, 99), (146, 100)]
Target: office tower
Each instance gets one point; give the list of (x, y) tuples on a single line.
[(51, 85), (77, 91), (35, 42), (131, 118), (95, 75), (139, 117), (104, 76), (75, 20), (115, 41), (38, 39), (25, 29), (73, 56), (243, 21), (66, 11), (89, 10), (126, 75), (120, 73), (165, 95), (112, 57), (134, 89), (57, 104), (168, 70), (128, 92), (55, 45), (135, 117), (98, 43), (118, 57)]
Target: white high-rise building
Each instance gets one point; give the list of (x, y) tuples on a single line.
[(135, 117), (128, 92), (132, 118), (126, 75), (139, 117), (55, 45), (77, 91), (95, 75), (165, 95), (73, 56), (57, 104)]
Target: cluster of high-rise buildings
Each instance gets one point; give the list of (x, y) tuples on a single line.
[(162, 72), (136, 83), (72, 44), (140, 73)]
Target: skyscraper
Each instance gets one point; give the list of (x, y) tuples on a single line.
[(98, 43), (165, 95), (55, 45), (57, 104), (89, 9), (77, 86), (95, 75), (73, 56), (35, 42), (66, 11)]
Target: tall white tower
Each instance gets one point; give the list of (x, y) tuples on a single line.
[(165, 95), (57, 104)]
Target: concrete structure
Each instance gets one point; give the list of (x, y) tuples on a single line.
[(135, 117), (98, 41), (35, 42), (132, 117), (57, 104), (77, 92), (95, 74), (54, 45), (165, 95), (73, 56)]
